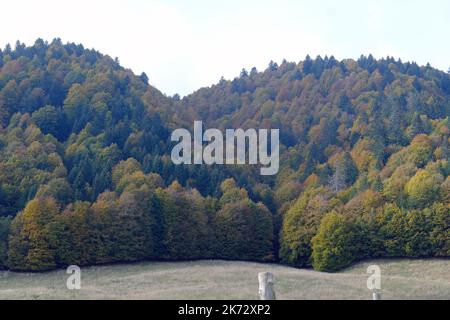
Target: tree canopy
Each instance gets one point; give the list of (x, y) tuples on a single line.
[(86, 175)]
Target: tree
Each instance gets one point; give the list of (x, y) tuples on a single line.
[(394, 129), (134, 226), (244, 229), (445, 191), (144, 77), (307, 65), (31, 244), (300, 225), (345, 173), (439, 215), (337, 181), (123, 169), (5, 223), (423, 188), (46, 119), (231, 193), (9, 96), (187, 234), (334, 247), (394, 187), (123, 226), (418, 228), (75, 237), (445, 148), (391, 227), (75, 105), (57, 188)]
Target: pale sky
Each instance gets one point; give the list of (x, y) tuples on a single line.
[(185, 45)]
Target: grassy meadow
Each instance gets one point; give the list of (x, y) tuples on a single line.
[(401, 279)]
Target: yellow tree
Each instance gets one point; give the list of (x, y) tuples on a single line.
[(32, 244)]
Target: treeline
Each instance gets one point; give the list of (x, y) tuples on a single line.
[(316, 234), (390, 232), (139, 220), (86, 175)]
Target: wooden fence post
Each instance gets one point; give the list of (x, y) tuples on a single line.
[(376, 295), (266, 290)]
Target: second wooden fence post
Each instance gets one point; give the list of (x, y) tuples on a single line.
[(266, 289)]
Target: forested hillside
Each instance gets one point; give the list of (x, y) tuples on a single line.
[(86, 175)]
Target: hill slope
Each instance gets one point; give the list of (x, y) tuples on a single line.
[(86, 175)]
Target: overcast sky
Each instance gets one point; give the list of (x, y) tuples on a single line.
[(185, 45)]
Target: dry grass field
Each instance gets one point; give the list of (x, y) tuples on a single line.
[(401, 279)]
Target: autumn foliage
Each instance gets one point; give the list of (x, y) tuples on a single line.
[(86, 175)]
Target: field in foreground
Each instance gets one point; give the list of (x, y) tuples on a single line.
[(402, 279)]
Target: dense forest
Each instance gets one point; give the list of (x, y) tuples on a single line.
[(86, 175)]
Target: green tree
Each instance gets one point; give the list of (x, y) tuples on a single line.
[(186, 230), (244, 231), (46, 119), (334, 247), (5, 223), (57, 188), (392, 229), (423, 188), (300, 225), (418, 228), (74, 243), (439, 215)]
